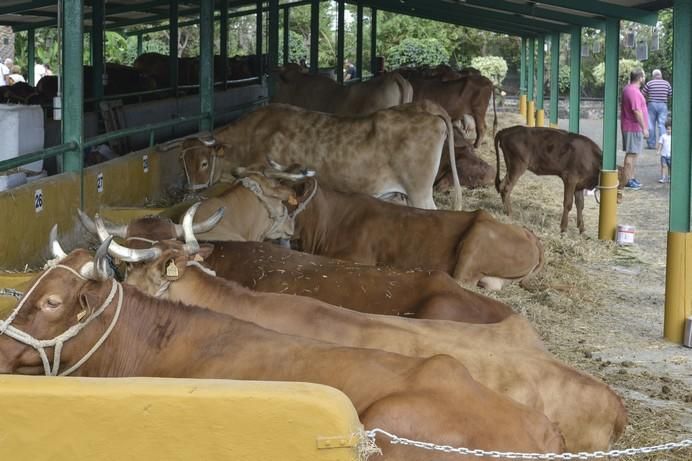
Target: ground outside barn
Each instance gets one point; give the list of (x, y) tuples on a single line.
[(597, 305)]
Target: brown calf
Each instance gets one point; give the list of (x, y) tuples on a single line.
[(576, 159)]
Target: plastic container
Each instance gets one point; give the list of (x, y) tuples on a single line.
[(22, 133), (625, 234)]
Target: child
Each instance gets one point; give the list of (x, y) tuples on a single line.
[(664, 151)]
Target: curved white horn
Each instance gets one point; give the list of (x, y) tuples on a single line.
[(55, 247), (129, 255), (87, 222), (102, 269), (275, 165), (209, 223), (191, 244), (290, 176), (207, 140)]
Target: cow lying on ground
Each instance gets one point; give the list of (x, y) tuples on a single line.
[(473, 171), (473, 247), (467, 95), (377, 290), (432, 399), (576, 159), (392, 151), (523, 372), (322, 94)]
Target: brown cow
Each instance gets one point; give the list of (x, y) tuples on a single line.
[(467, 95), (522, 371), (473, 247), (576, 159), (473, 170), (322, 94), (432, 399), (392, 151)]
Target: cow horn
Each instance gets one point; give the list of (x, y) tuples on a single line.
[(191, 244), (204, 226), (87, 222), (102, 269), (305, 173), (117, 230), (129, 255), (208, 140), (275, 165), (55, 248)]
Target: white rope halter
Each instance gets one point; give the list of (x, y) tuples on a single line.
[(58, 341), (163, 288), (210, 180)]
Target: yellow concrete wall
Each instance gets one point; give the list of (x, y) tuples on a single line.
[(173, 419), (24, 232)]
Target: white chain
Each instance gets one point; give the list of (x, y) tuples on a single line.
[(396, 440)]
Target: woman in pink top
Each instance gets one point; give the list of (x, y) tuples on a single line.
[(634, 124)]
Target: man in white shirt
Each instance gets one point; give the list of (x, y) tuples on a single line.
[(4, 72)]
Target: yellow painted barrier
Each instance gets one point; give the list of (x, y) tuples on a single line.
[(522, 105), (147, 419), (540, 118), (678, 305), (531, 114), (608, 209)]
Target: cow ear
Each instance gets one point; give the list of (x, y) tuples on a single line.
[(88, 300), (220, 150)]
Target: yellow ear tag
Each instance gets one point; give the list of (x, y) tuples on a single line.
[(81, 315), (172, 270), (292, 201), (198, 258)]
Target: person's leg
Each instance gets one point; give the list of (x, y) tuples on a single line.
[(651, 141), (662, 117), (663, 169), (630, 160)]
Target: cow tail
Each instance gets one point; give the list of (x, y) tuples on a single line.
[(494, 114), (405, 87), (497, 160), (452, 160)]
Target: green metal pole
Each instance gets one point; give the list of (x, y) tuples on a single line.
[(373, 41), (97, 51), (72, 82), (140, 45), (554, 78), (359, 41), (522, 66), (681, 187), (206, 64), (531, 76), (259, 37), (223, 38), (610, 102), (273, 43), (314, 36), (540, 72), (574, 79), (287, 36), (31, 55), (340, 41), (173, 43)]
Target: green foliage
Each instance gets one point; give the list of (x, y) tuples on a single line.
[(492, 67), (625, 66), (417, 52), (297, 48)]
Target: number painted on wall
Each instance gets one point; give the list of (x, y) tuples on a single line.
[(145, 163), (99, 183), (38, 200)]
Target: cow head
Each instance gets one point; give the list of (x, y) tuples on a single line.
[(40, 335), (200, 157)]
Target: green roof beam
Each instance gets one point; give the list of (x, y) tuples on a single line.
[(537, 12), (607, 9)]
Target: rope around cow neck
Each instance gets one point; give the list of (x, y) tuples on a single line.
[(58, 342), (163, 288)]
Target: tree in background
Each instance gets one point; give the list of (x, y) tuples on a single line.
[(417, 52), (492, 67)]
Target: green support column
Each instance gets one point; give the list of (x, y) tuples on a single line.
[(522, 78), (373, 41), (540, 79), (574, 79), (678, 306), (140, 45), (273, 55), (554, 78), (73, 82), (359, 41), (31, 55), (223, 40), (259, 44), (287, 36), (531, 78), (206, 64), (314, 36), (340, 41), (173, 43), (98, 18)]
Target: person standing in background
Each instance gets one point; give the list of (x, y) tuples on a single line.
[(664, 144), (657, 92), (634, 125), (4, 72)]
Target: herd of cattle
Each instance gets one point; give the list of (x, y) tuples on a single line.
[(360, 294)]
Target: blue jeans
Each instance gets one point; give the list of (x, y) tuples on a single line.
[(658, 112)]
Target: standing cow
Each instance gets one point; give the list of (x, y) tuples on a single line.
[(576, 159)]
